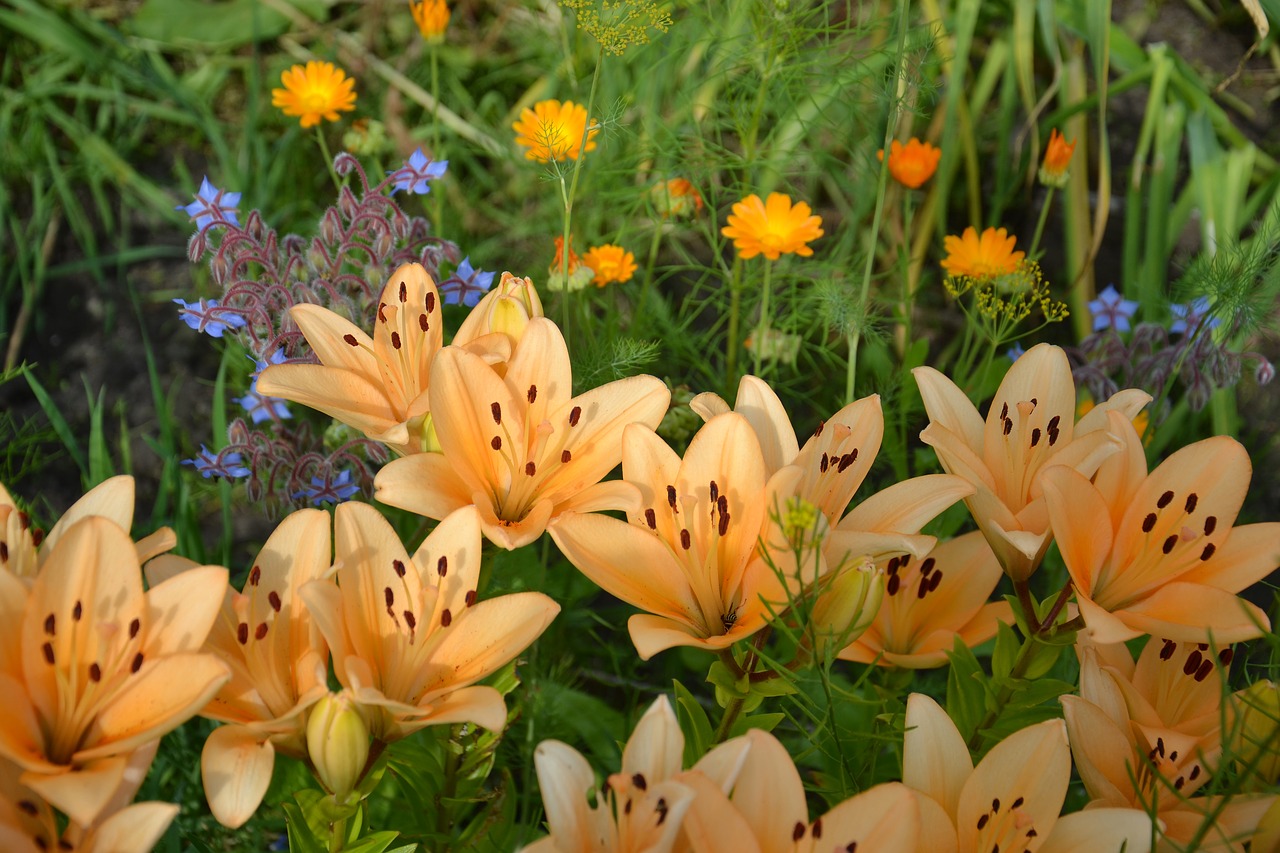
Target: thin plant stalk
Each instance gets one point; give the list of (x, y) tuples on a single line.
[(1044, 217), (328, 159), (735, 306), (763, 327), (567, 195)]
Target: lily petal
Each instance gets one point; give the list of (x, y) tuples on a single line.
[(235, 766)]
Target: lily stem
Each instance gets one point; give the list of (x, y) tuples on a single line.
[(758, 350), (449, 788)]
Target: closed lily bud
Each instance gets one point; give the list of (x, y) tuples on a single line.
[(507, 310), (338, 743), (1254, 731), (847, 606)]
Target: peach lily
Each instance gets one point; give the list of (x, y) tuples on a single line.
[(929, 603), (1012, 799), (377, 385), (1156, 553), (1030, 428), (409, 638), (518, 445), (278, 660), (102, 668)]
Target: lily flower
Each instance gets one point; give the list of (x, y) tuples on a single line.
[(497, 322), (1156, 553), (104, 668), (518, 446), (930, 602), (377, 385), (409, 639), (278, 660), (1148, 737), (28, 824), (834, 463), (1011, 801), (1030, 428)]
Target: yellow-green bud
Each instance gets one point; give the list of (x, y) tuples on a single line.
[(507, 310), (847, 606), (1254, 729), (338, 743)]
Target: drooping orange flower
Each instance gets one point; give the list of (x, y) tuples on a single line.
[(431, 16), (610, 263), (985, 257), (377, 385), (555, 131), (1057, 156), (772, 228), (1030, 427), (930, 602), (516, 444), (93, 668), (912, 164), (278, 660), (318, 90), (409, 638), (1013, 799), (1156, 553), (676, 197)]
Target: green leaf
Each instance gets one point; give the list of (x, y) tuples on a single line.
[(699, 734), (1008, 645), (733, 686), (375, 843), (59, 423), (223, 25), (966, 689)]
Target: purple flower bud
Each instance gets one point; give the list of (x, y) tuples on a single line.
[(1264, 372)]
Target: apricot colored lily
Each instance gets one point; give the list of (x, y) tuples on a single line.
[(278, 660), (1011, 801), (519, 446), (1030, 427), (377, 385), (409, 639), (1156, 553), (102, 668), (930, 602)]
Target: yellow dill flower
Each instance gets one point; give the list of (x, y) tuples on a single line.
[(315, 91), (554, 131), (609, 263), (912, 164), (618, 24), (431, 16), (982, 257), (1057, 156), (772, 228)]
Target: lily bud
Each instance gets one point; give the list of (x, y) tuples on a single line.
[(338, 743), (847, 606), (505, 310), (1255, 729)]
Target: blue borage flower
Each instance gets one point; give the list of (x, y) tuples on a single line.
[(1189, 317), (1112, 311), (261, 408), (1014, 352), (329, 489), (212, 206), (205, 315), (466, 285), (227, 465), (413, 175)]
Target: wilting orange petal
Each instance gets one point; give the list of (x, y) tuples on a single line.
[(235, 766)]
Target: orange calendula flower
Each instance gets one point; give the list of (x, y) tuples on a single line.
[(984, 257), (912, 164), (377, 385), (431, 16), (555, 131), (318, 90), (610, 263), (1157, 553), (676, 197), (772, 228), (1057, 156)]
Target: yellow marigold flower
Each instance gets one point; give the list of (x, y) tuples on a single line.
[(772, 228), (1057, 156), (554, 131), (912, 164), (982, 257), (610, 263), (315, 91), (431, 16)]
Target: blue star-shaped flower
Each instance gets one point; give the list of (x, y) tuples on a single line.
[(1014, 352), (466, 285), (1112, 311), (326, 490), (262, 408), (227, 465), (205, 315), (1189, 317), (212, 205), (413, 175)]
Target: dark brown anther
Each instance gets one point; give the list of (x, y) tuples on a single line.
[(49, 625), (470, 598), (404, 292), (1202, 671), (28, 807), (137, 659), (423, 323), (723, 527), (77, 611), (1053, 423), (1191, 503), (496, 443), (1224, 656), (715, 492), (242, 632), (388, 596), (531, 394), (1160, 746), (430, 302), (1169, 543), (934, 581), (273, 598), (24, 520), (395, 340), (1004, 411), (995, 802), (1053, 437), (565, 457), (495, 409), (627, 808), (1008, 426), (923, 588), (530, 469), (351, 340), (398, 566), (95, 672), (685, 541), (1179, 783), (382, 316), (651, 518), (1035, 436), (1017, 804), (47, 648), (798, 831), (892, 586), (37, 536), (671, 496), (1149, 522), (817, 432), (4, 552), (574, 415), (1209, 548), (446, 618), (722, 505), (1209, 524), (1031, 833), (442, 566), (639, 781), (260, 631), (661, 809), (1204, 647), (1195, 772), (1191, 665), (1164, 500), (926, 566), (1173, 756), (851, 847), (845, 461), (892, 566), (823, 463), (134, 627), (410, 619), (817, 829), (1167, 650), (982, 820), (255, 575)]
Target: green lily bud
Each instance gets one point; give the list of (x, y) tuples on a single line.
[(1255, 729), (847, 606), (338, 743)]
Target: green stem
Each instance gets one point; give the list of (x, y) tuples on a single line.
[(569, 194), (449, 787), (1044, 217), (654, 243), (758, 350), (735, 303), (567, 199), (438, 201), (328, 158)]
